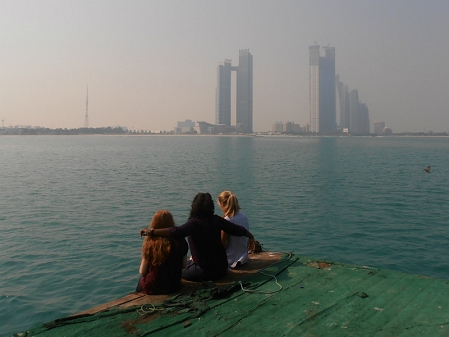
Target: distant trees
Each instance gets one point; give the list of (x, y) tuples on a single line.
[(60, 131), (102, 131)]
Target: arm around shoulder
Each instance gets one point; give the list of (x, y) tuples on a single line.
[(155, 232)]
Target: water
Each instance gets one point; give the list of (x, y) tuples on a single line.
[(72, 207)]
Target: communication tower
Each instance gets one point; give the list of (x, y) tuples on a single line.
[(86, 118)]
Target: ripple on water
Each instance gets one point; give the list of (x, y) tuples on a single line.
[(72, 207)]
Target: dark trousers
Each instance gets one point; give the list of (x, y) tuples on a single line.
[(193, 272)]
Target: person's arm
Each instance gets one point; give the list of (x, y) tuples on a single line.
[(184, 261), (229, 227), (155, 232), (236, 230), (251, 242), (144, 267), (177, 231), (224, 238)]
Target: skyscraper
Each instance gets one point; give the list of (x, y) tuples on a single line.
[(322, 90), (359, 122), (354, 116), (244, 98), (343, 103), (223, 94), (314, 88), (363, 119), (354, 110)]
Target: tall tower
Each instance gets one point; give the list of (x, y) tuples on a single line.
[(354, 111), (244, 98), (244, 109), (223, 94), (86, 118), (314, 88), (343, 100), (322, 90), (359, 123), (364, 125)]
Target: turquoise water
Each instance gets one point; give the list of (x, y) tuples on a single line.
[(72, 207)]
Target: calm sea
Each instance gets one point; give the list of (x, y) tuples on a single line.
[(71, 207)]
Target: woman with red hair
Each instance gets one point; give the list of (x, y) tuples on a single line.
[(163, 258)]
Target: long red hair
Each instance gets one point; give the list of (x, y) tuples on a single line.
[(156, 249)]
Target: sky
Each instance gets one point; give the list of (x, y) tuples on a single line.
[(149, 64)]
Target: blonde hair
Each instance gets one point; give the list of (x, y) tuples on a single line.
[(156, 249), (229, 203)]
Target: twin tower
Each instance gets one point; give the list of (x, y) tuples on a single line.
[(244, 98)]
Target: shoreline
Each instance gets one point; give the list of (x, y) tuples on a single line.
[(227, 135)]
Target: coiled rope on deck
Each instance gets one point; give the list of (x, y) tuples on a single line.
[(260, 271), (148, 309)]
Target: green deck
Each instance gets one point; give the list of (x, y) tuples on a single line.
[(317, 299)]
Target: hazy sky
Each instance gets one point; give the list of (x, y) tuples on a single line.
[(149, 64)]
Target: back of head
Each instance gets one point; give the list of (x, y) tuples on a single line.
[(202, 206), (162, 219), (229, 203), (156, 249)]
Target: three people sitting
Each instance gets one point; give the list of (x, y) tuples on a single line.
[(203, 229)]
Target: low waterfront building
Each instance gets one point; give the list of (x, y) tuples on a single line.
[(387, 132), (185, 127), (379, 127), (205, 128), (277, 127)]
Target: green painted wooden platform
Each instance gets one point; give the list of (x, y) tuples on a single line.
[(293, 296)]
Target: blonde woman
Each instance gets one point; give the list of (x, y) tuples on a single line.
[(163, 259), (236, 247)]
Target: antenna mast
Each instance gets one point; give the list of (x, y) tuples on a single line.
[(86, 118)]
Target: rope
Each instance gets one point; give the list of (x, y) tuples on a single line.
[(263, 292), (290, 254), (148, 309)]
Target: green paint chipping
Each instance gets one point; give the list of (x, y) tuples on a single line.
[(310, 298)]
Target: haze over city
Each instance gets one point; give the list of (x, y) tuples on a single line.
[(149, 64)]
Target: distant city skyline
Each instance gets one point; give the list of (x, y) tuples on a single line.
[(149, 64)]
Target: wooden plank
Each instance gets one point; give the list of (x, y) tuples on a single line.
[(115, 303)]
